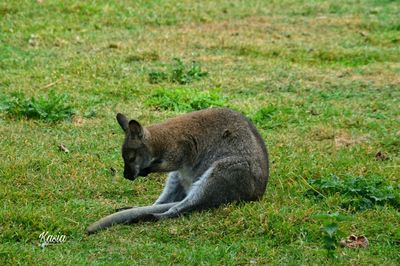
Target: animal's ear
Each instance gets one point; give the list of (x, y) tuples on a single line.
[(122, 121), (135, 128)]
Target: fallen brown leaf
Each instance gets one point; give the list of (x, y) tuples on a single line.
[(114, 46), (63, 148), (381, 156), (355, 242), (33, 41)]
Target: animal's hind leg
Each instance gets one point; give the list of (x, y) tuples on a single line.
[(129, 216), (225, 181), (124, 208)]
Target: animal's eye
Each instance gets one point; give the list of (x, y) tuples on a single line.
[(132, 159), (157, 161)]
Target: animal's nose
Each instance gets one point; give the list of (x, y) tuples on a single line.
[(129, 174)]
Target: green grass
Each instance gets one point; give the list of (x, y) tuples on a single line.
[(184, 99), (50, 108), (320, 79), (357, 193), (179, 73)]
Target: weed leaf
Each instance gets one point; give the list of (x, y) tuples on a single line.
[(52, 108)]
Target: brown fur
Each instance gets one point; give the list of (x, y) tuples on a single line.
[(214, 156)]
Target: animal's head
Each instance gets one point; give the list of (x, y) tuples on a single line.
[(135, 149)]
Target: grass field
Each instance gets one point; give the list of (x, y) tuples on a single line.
[(321, 80)]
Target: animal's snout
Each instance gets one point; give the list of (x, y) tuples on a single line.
[(129, 174)]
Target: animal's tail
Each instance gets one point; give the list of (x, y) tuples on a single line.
[(128, 216)]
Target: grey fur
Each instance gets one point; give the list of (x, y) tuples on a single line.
[(214, 156), (128, 216)]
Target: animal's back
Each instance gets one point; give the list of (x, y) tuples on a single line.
[(218, 133)]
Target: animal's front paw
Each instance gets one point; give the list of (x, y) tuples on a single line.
[(168, 214)]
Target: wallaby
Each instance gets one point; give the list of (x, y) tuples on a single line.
[(214, 156)]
